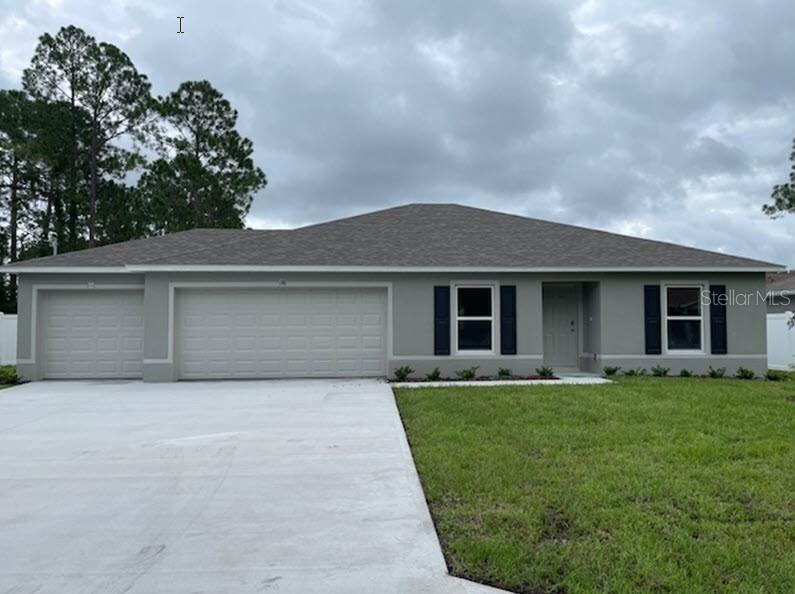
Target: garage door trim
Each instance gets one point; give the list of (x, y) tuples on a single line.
[(34, 307), (279, 284)]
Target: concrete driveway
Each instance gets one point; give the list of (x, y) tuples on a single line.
[(276, 486)]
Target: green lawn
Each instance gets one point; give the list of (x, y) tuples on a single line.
[(645, 485)]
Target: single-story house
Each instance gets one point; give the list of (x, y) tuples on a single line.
[(421, 285)]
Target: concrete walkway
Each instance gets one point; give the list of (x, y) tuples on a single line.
[(276, 486), (572, 379)]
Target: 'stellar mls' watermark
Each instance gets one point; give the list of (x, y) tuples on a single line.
[(734, 297)]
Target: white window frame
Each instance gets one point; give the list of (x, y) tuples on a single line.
[(491, 319), (665, 317)]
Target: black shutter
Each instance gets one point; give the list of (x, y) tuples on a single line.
[(508, 320), (441, 320), (717, 319), (653, 319)]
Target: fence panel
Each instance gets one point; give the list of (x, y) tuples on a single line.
[(780, 342)]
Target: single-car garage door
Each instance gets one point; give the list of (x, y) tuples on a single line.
[(252, 333), (91, 334)]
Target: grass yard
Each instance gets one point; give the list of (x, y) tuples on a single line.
[(644, 485)]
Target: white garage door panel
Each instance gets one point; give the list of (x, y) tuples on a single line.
[(92, 334), (249, 333)]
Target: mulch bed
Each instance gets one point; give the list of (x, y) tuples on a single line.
[(475, 379)]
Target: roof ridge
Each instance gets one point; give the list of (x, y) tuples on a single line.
[(357, 216)]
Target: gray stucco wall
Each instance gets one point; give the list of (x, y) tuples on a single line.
[(612, 318), (623, 326)]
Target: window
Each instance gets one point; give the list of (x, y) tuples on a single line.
[(474, 319), (683, 318)]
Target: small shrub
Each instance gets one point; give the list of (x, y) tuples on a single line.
[(468, 373), (504, 372), (716, 373), (686, 373), (610, 370), (434, 375), (635, 372), (8, 375), (401, 373), (776, 375), (744, 373), (545, 371), (660, 371)]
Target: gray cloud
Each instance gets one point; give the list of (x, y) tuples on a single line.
[(669, 120)]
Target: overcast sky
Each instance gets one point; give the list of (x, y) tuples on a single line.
[(670, 120)]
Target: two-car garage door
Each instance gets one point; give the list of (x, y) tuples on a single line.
[(285, 332)]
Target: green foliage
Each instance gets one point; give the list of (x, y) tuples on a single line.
[(745, 373), (504, 372), (716, 373), (686, 486), (434, 375), (545, 371), (783, 195), (58, 70), (8, 375), (660, 371), (640, 371), (32, 157), (98, 80), (71, 143), (468, 373), (401, 373), (211, 179), (776, 375), (686, 373), (610, 370)]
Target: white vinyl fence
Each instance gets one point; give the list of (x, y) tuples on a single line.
[(8, 339), (780, 342)]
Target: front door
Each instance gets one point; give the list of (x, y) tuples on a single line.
[(561, 334)]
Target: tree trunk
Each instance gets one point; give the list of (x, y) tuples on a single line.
[(72, 199), (57, 207), (14, 208), (4, 278), (92, 207), (194, 197), (46, 224)]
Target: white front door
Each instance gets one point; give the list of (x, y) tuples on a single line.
[(265, 333), (561, 332)]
